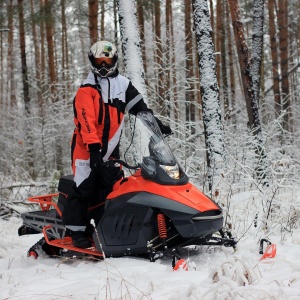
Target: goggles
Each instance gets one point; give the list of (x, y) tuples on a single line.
[(103, 62)]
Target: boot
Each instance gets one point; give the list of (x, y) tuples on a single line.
[(80, 239)]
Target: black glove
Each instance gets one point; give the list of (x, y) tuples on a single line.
[(109, 175), (96, 160), (165, 129)]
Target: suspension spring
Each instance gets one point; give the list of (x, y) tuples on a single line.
[(162, 228)]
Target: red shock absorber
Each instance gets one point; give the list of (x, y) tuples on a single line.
[(162, 228)]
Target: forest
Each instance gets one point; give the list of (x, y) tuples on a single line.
[(223, 74)]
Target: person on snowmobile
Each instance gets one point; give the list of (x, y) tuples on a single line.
[(99, 107)]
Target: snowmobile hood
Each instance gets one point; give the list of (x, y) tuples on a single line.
[(186, 194)]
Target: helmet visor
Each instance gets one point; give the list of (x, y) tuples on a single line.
[(103, 62)]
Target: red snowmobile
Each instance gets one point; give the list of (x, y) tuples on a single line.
[(153, 212)]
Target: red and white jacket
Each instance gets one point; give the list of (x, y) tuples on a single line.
[(99, 108)]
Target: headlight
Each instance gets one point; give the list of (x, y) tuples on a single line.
[(172, 171)]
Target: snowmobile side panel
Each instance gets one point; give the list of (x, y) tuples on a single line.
[(125, 228), (188, 228), (188, 221), (153, 200)]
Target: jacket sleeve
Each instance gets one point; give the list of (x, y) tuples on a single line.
[(134, 100), (84, 112)]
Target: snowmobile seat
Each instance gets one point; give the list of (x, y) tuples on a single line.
[(65, 187)]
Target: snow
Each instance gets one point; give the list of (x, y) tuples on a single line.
[(214, 272)]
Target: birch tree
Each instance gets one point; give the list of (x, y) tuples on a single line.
[(209, 89), (131, 46), (274, 57)]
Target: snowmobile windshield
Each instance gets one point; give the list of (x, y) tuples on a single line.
[(151, 141)]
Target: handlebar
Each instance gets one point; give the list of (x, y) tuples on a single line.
[(112, 163)]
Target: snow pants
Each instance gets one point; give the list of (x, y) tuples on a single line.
[(88, 195), (90, 188)]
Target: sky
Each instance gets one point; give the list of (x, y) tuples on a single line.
[(213, 272)]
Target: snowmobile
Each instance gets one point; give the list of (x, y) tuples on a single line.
[(153, 212)]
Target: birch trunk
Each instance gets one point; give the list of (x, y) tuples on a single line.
[(209, 89), (131, 46), (274, 57)]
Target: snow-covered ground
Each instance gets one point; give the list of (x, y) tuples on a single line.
[(214, 272)]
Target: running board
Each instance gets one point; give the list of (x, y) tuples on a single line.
[(67, 243)]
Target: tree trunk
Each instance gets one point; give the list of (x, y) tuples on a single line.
[(174, 99), (23, 57), (49, 21), (93, 20), (242, 50), (102, 19), (42, 43), (1, 64), (189, 93), (212, 19), (81, 33), (224, 55), (298, 40), (257, 45), (10, 61), (28, 126), (198, 100), (36, 51), (209, 89), (274, 56), (251, 100), (169, 37), (64, 38), (231, 112), (116, 22), (283, 49), (158, 56), (131, 44), (218, 39), (141, 21)]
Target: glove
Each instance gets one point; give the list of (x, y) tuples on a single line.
[(96, 160), (165, 129)]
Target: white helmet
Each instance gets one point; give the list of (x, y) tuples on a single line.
[(103, 57)]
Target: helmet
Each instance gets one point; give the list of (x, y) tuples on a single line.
[(103, 58)]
